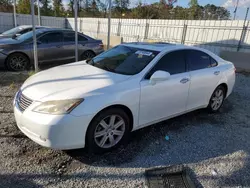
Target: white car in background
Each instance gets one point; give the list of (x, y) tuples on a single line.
[(97, 103)]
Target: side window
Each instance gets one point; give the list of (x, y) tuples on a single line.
[(82, 38), (173, 62), (24, 31), (69, 37), (213, 62), (198, 60), (51, 38)]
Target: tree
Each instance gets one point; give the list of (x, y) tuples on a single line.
[(23, 7), (216, 13), (58, 8), (46, 8), (193, 3), (6, 6), (120, 6)]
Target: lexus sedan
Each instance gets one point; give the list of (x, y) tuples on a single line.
[(98, 102), (17, 31), (55, 46)]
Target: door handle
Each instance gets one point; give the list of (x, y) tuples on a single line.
[(58, 46), (184, 80), (216, 72)]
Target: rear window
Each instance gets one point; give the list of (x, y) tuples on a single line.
[(124, 60)]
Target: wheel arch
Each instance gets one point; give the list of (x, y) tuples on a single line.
[(225, 86), (126, 109)]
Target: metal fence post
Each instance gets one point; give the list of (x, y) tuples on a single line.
[(184, 32), (98, 28), (119, 29), (66, 23), (243, 33), (80, 25), (146, 31), (14, 13)]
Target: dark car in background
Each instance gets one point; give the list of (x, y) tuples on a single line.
[(55, 46), (17, 31)]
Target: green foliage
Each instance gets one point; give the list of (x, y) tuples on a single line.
[(5, 6), (193, 3), (164, 9), (23, 7)]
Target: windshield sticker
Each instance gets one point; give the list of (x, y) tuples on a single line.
[(141, 53)]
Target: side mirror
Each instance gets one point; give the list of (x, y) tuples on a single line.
[(18, 34), (159, 76)]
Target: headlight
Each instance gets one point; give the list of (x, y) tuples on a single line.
[(57, 106), (1, 49)]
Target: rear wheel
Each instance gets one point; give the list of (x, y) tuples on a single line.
[(108, 130), (87, 55), (217, 99), (17, 62)]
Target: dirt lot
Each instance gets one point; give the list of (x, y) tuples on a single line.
[(216, 148)]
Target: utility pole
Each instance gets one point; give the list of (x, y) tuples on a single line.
[(34, 36), (38, 12), (235, 10), (76, 29), (109, 25), (14, 10)]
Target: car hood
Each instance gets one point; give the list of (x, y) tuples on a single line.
[(5, 36), (75, 80), (5, 41)]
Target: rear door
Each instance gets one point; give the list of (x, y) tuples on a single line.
[(69, 45), (205, 75), (50, 47)]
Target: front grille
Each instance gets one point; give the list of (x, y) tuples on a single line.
[(23, 102)]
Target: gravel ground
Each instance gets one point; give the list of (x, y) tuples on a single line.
[(215, 148)]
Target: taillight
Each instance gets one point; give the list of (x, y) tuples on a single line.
[(101, 45)]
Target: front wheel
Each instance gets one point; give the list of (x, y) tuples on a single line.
[(108, 130), (17, 62), (217, 99)]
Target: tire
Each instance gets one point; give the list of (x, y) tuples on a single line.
[(99, 139), (17, 62), (87, 55), (217, 99)]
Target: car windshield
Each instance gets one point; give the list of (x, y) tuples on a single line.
[(12, 31), (124, 60), (28, 35)]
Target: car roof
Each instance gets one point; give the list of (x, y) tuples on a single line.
[(162, 46), (167, 47), (30, 26), (54, 29)]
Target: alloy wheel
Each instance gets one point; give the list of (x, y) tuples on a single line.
[(217, 99), (18, 63), (109, 131)]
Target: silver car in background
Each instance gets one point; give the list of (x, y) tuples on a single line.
[(19, 30), (55, 46)]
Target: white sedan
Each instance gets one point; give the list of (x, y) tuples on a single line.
[(98, 102)]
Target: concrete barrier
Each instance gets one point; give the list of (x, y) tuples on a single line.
[(241, 60)]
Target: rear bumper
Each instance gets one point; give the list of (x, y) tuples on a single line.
[(2, 60)]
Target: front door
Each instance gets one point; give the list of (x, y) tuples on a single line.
[(50, 48), (165, 98)]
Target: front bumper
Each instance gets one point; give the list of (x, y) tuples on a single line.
[(53, 131), (2, 60)]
